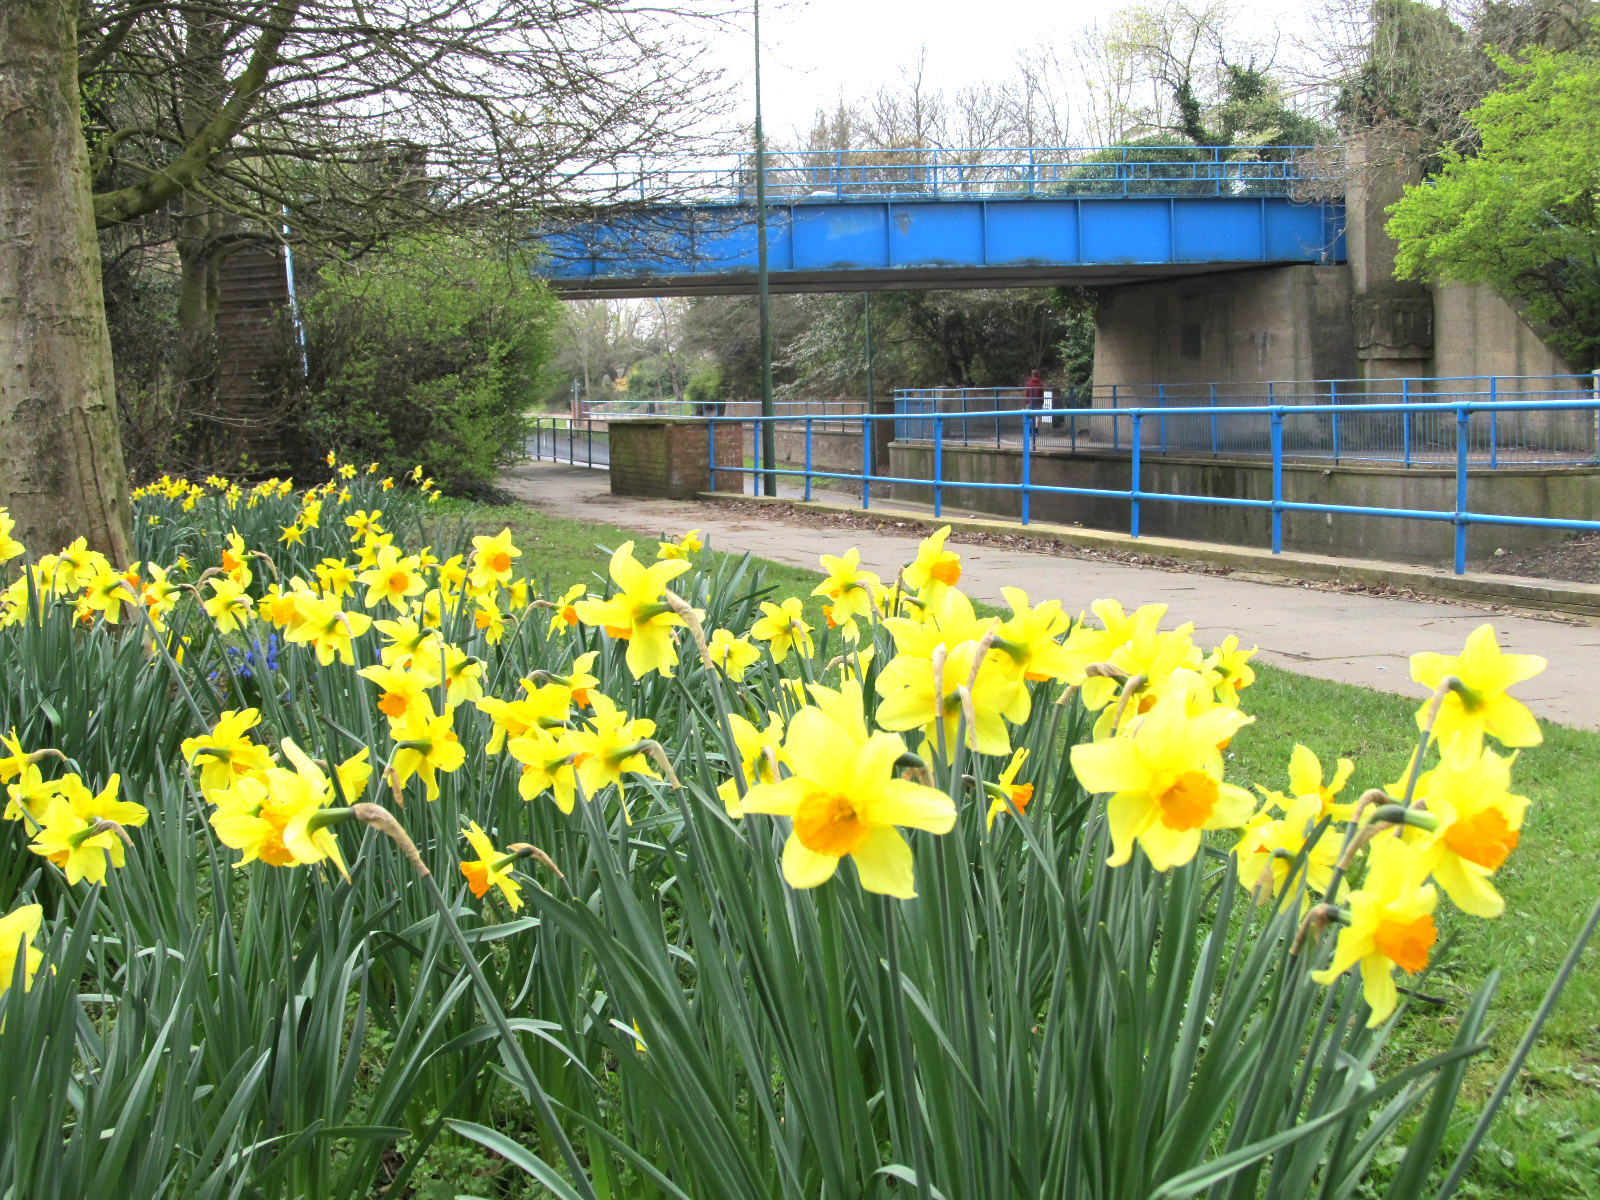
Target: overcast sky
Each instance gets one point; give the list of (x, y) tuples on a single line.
[(811, 49)]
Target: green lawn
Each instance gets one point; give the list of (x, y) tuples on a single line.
[(1547, 1141)]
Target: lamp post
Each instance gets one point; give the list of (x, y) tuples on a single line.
[(769, 482)]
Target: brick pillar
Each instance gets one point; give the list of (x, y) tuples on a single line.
[(671, 457)]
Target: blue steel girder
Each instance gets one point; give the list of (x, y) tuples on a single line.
[(848, 245)]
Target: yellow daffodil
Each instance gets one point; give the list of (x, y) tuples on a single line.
[(392, 579), (688, 544), (490, 868), (1231, 666), (782, 627), (492, 558), (934, 568), (847, 587), (612, 747), (845, 799), (229, 606), (236, 559), (107, 591), (757, 751), (327, 628), (912, 699), (638, 613), (1268, 847), (1305, 779), (402, 689), (1390, 925), (1165, 782), (565, 615), (336, 577), (733, 656), (364, 524), (1006, 793), (1479, 704), (83, 847), (426, 744), (1477, 823), (18, 928), (30, 795), (9, 546), (1030, 637), (546, 767)]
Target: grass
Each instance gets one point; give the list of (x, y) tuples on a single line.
[(1547, 1140)]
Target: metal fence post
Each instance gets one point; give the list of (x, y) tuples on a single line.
[(938, 464), (1405, 420), (711, 450), (1494, 424), (1214, 421), (1027, 463), (590, 427), (1116, 441), (1277, 480), (1133, 486), (866, 461), (1461, 490), (1333, 395), (808, 458)]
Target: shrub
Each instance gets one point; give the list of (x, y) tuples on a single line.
[(430, 353)]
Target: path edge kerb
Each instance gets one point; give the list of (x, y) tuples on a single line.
[(1573, 599)]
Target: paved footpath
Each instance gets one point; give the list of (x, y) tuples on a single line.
[(1344, 636)]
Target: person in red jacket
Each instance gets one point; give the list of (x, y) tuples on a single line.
[(1033, 390)]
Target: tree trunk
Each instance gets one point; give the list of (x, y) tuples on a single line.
[(61, 470)]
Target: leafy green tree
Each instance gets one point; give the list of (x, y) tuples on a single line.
[(432, 354), (1523, 214)]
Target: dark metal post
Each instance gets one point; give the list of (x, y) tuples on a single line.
[(938, 463), (769, 448), (867, 302), (808, 458), (1027, 463)]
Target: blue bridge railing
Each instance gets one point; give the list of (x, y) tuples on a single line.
[(982, 173), (1135, 430)]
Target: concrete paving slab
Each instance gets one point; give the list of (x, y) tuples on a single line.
[(1343, 636)]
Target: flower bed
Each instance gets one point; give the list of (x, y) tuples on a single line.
[(338, 846)]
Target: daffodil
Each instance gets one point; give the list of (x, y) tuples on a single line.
[(845, 800), (1477, 823), (1231, 665), (1006, 793), (18, 928), (236, 559), (402, 689), (934, 568), (328, 629), (638, 613), (83, 847), (1305, 779), (566, 614), (782, 627), (847, 586), (336, 577), (392, 579), (1478, 703), (426, 744), (688, 544), (108, 590), (364, 524), (1390, 925), (612, 747), (1269, 846), (1165, 782), (731, 655), (274, 817), (490, 868), (9, 546), (229, 606), (491, 559), (30, 795), (757, 751), (545, 707), (546, 767), (226, 753), (922, 693)]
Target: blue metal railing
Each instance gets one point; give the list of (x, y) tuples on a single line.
[(985, 173), (1461, 414), (579, 441), (1369, 432)]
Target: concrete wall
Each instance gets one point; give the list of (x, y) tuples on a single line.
[(1265, 323), (1570, 492), (1478, 333)]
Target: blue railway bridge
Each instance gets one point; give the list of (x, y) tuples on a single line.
[(849, 221)]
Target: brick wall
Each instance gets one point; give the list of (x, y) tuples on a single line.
[(671, 458)]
